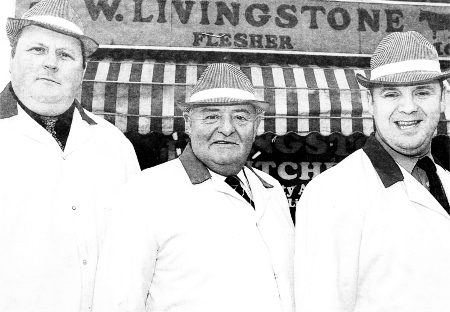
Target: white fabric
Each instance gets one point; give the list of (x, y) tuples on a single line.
[(57, 21), (361, 247), (53, 209), (405, 66), (196, 247), (242, 178), (222, 92)]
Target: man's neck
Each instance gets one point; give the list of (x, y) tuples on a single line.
[(407, 162)]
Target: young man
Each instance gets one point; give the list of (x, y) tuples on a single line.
[(379, 240), (59, 166), (214, 235)]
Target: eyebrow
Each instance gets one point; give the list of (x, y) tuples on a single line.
[(242, 110), (421, 87), (389, 89), (427, 86)]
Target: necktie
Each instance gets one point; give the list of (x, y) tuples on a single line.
[(49, 125), (436, 188), (235, 183)]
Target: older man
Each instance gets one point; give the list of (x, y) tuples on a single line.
[(59, 166), (215, 235), (379, 240)]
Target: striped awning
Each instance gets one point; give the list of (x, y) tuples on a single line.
[(142, 96)]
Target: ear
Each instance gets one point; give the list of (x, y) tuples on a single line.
[(256, 126), (369, 102), (187, 122), (445, 95)]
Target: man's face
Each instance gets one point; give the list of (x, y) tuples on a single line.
[(222, 136), (406, 117), (46, 70)]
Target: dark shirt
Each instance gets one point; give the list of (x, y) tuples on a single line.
[(62, 126)]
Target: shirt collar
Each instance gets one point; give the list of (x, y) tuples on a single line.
[(198, 172), (386, 167), (8, 106)]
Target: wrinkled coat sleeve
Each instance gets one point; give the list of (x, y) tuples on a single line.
[(328, 234), (127, 260)]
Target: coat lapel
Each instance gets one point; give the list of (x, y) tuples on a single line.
[(418, 194), (261, 194), (80, 132), (28, 127)]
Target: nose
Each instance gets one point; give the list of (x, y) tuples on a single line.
[(51, 62), (407, 104), (226, 126)]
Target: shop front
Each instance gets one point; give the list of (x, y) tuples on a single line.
[(301, 56)]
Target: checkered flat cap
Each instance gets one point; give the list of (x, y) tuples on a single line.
[(223, 84), (403, 58), (56, 15)]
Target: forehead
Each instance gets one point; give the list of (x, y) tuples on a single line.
[(42, 36), (404, 89), (246, 108)]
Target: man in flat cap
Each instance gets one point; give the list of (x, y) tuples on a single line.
[(59, 166), (217, 235), (379, 240)]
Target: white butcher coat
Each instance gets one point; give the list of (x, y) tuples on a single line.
[(371, 238), (183, 240), (53, 207)]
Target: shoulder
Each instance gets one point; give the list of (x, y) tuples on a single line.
[(265, 176), (107, 131), (102, 124), (156, 179), (344, 174)]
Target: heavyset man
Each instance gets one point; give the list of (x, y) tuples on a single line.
[(214, 235), (379, 240), (59, 166)]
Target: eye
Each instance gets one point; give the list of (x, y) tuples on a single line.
[(37, 50), (241, 117), (211, 117), (391, 95), (423, 93), (66, 56)]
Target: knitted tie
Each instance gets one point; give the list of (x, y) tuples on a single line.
[(436, 188), (49, 125), (235, 183)]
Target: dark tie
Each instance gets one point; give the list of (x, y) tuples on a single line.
[(49, 125), (436, 188), (235, 183)]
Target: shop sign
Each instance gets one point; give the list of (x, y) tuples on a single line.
[(288, 25)]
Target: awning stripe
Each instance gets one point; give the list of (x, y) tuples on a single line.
[(142, 96), (302, 99)]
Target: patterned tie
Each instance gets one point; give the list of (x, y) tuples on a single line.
[(49, 125), (436, 188), (235, 183)]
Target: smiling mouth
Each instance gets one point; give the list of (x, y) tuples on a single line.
[(224, 143), (405, 125)]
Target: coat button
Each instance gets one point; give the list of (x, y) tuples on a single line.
[(74, 208)]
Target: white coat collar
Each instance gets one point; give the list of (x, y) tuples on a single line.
[(9, 106), (418, 194), (197, 171)]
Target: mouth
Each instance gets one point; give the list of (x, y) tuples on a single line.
[(224, 143), (48, 79), (406, 125)]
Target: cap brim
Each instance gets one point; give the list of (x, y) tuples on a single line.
[(403, 79), (14, 25), (258, 104)]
